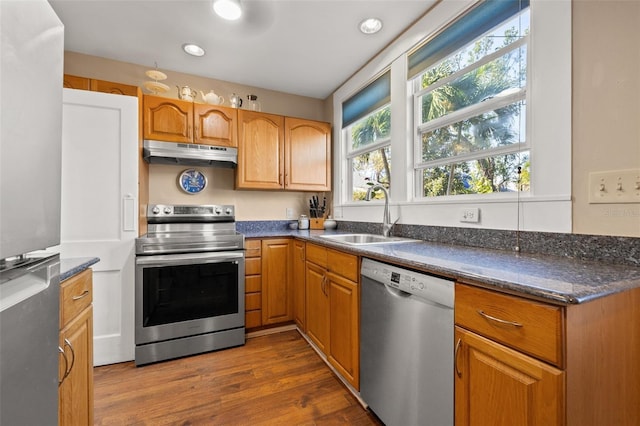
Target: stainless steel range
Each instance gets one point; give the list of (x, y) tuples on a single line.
[(189, 282)]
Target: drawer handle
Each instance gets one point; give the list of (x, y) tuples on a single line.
[(455, 362), (83, 295), (498, 320)]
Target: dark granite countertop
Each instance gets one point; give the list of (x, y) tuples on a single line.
[(553, 278), (72, 266)]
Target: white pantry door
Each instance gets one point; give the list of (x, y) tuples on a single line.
[(99, 209)]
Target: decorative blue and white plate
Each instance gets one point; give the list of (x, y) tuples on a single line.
[(192, 181)]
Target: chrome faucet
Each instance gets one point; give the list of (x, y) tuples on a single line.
[(387, 225)]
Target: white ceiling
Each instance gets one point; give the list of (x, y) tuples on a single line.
[(303, 47)]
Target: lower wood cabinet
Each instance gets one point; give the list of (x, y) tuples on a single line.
[(332, 308), (500, 386), (75, 392), (277, 304), (317, 306), (253, 284), (523, 362), (298, 283)]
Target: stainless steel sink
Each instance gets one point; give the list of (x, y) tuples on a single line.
[(364, 239)]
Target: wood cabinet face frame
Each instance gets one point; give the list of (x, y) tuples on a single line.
[(75, 393)]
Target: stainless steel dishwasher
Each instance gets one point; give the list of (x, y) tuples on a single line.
[(406, 345)]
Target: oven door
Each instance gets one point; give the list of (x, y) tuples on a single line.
[(179, 295)]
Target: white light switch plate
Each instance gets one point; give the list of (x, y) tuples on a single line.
[(616, 186)]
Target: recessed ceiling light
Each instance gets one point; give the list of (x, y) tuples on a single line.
[(193, 49), (227, 9), (370, 26)]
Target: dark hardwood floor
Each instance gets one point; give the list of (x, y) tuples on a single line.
[(275, 379)]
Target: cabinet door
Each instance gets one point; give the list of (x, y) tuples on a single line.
[(74, 82), (75, 394), (317, 303), (215, 125), (308, 155), (113, 88), (499, 386), (276, 270), (167, 119), (260, 151), (298, 280), (344, 336)]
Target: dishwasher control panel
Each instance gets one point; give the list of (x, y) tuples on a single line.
[(436, 289)]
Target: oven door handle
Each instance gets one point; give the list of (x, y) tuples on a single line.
[(189, 259)]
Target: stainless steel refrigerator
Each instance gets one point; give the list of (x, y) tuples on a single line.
[(31, 67)]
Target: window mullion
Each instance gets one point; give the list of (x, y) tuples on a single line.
[(490, 104), (470, 156), (370, 147)]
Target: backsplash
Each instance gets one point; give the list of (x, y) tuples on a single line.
[(617, 250), (609, 249)]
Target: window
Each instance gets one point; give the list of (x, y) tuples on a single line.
[(516, 136), (367, 132), (469, 91), (369, 155)]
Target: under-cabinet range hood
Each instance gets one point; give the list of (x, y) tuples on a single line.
[(186, 154)]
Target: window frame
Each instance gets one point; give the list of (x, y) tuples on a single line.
[(548, 206), (353, 153), (473, 110)]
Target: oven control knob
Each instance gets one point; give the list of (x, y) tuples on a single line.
[(155, 210), (167, 210), (229, 212), (218, 210)]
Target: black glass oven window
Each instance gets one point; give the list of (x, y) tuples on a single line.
[(187, 292)]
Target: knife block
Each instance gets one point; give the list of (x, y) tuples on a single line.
[(316, 223)]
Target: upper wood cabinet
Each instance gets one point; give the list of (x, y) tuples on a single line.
[(174, 120), (84, 83), (114, 88), (260, 151), (277, 152), (76, 82), (307, 155)]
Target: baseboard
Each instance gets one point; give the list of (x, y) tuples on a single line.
[(272, 330)]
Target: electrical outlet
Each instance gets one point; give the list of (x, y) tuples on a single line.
[(289, 213), (616, 186), (469, 214)]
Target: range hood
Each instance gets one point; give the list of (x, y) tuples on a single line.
[(186, 154)]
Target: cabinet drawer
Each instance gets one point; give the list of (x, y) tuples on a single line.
[(253, 266), (252, 301), (316, 254), (252, 283), (343, 264), (75, 295), (253, 248), (531, 327)]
